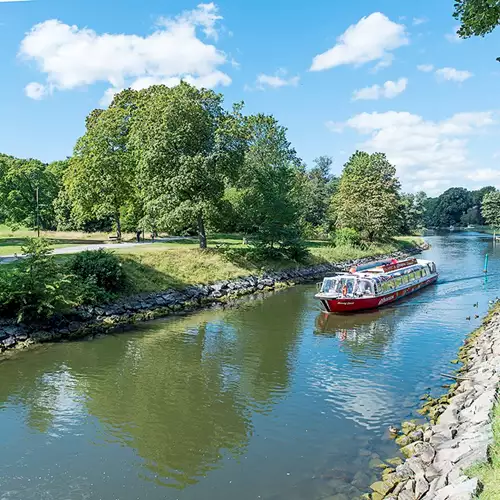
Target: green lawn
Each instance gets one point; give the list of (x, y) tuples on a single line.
[(163, 265)]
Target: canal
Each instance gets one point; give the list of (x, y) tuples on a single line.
[(271, 400)]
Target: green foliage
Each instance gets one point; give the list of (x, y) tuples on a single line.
[(35, 289), (319, 187), (100, 178), (19, 182), (412, 212), (368, 198), (477, 17), (270, 195), (346, 236), (490, 208), (451, 205), (100, 268), (187, 147)]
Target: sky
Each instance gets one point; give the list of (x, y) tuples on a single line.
[(376, 75)]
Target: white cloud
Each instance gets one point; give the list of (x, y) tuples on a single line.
[(388, 90), (276, 81), (426, 68), (72, 57), (35, 90), (453, 75), (453, 37), (429, 155), (419, 20), (11, 1), (371, 39)]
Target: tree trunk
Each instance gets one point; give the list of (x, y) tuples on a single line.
[(201, 232), (118, 226)]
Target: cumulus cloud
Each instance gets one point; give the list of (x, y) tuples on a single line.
[(388, 90), (426, 68), (453, 75), (371, 39), (429, 155), (35, 90), (72, 57)]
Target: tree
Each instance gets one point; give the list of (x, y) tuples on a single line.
[(451, 205), (319, 186), (491, 209), (477, 17), (472, 217), (412, 212), (270, 188), (368, 198), (187, 148), (22, 183), (100, 177)]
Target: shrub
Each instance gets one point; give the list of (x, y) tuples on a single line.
[(100, 268), (346, 236), (35, 289)]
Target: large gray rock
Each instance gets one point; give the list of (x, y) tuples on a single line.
[(465, 490)]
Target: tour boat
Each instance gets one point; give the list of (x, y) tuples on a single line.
[(372, 285)]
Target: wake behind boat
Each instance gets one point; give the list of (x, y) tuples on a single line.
[(376, 284)]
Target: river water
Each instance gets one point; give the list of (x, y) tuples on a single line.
[(270, 400)]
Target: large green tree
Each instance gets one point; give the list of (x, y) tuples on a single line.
[(100, 178), (187, 147), (451, 206), (318, 188), (412, 213), (27, 191), (490, 208), (367, 198), (269, 187)]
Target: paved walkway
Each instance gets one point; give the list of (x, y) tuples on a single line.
[(5, 259)]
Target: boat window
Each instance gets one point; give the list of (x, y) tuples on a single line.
[(328, 285), (345, 285)]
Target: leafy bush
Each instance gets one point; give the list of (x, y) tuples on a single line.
[(346, 236), (99, 268), (35, 288)]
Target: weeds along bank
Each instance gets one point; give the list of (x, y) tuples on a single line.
[(456, 455), (162, 294)]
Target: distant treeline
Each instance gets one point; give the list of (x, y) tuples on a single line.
[(175, 160)]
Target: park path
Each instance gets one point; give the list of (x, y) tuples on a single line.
[(6, 259)]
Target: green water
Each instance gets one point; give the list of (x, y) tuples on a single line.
[(270, 400)]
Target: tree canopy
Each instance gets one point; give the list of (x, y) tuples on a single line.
[(491, 208), (368, 197)]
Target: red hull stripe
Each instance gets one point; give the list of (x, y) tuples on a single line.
[(350, 305)]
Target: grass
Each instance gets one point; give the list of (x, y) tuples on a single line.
[(156, 267), (177, 264), (489, 473)]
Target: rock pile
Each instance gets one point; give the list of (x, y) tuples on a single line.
[(90, 320), (459, 431)]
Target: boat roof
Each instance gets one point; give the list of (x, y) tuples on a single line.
[(387, 270)]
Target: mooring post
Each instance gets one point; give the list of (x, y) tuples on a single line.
[(486, 263)]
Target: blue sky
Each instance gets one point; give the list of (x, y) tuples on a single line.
[(385, 76)]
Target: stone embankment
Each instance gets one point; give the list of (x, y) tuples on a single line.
[(90, 320), (459, 431)]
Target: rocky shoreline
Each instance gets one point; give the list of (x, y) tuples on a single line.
[(458, 433), (88, 321)]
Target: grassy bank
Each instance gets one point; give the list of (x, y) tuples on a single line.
[(153, 269)]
